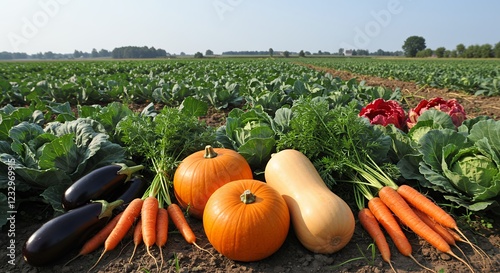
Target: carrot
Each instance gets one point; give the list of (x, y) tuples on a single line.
[(401, 209), (387, 220), (427, 206), (384, 216), (442, 231), (161, 227), (149, 213), (371, 225), (180, 222), (131, 212), (98, 239), (456, 236), (161, 231), (137, 238)]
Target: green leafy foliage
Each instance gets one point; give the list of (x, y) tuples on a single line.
[(477, 77), (333, 137), (253, 133), (62, 114), (162, 139), (463, 164), (47, 156), (46, 160)]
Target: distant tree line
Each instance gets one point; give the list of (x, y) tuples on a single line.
[(145, 52), (461, 51), (365, 52), (103, 53), (24, 56), (414, 46), (128, 52), (12, 55), (246, 52), (131, 52)]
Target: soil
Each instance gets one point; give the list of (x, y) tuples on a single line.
[(357, 256)]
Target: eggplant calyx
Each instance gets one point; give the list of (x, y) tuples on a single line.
[(107, 207), (128, 171)]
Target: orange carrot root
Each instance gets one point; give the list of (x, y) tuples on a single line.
[(401, 209), (435, 226), (371, 225), (180, 222), (475, 247), (137, 238), (390, 224), (427, 206), (161, 231), (435, 217), (98, 239), (149, 213), (131, 212)]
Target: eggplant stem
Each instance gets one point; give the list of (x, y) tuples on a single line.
[(107, 208), (128, 171)]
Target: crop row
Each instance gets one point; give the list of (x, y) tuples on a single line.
[(222, 84), (479, 77)]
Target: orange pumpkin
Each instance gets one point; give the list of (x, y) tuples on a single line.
[(203, 172), (246, 220)]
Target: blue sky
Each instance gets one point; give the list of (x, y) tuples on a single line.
[(63, 26)]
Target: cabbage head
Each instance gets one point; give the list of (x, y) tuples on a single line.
[(463, 164), (477, 168)]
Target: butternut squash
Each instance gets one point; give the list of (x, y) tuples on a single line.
[(322, 221)]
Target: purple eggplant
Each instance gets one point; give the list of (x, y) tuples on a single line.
[(99, 184), (66, 232), (134, 188)]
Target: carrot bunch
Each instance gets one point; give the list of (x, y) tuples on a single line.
[(403, 204), (151, 227), (151, 215)]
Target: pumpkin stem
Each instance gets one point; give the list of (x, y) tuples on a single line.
[(247, 197), (209, 152)]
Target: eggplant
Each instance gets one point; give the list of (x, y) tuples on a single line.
[(134, 188), (66, 232), (99, 184)]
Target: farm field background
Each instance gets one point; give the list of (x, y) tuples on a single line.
[(139, 79), (107, 91), (473, 76)]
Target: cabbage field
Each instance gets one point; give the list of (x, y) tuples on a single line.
[(478, 77), (60, 120), (42, 93), (221, 84)]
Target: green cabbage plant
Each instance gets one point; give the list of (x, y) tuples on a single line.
[(462, 163)]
